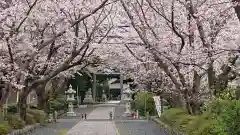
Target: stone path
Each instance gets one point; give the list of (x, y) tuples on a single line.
[(97, 127), (98, 123), (63, 124)]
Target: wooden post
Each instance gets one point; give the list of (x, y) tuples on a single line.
[(17, 100), (121, 86)]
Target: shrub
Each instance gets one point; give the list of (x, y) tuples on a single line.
[(221, 117), (33, 107), (12, 108), (15, 121), (133, 105), (30, 119), (38, 115), (58, 104), (181, 121), (4, 129), (177, 118), (144, 101), (201, 125), (226, 113)]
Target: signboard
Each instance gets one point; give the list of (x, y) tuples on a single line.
[(157, 104)]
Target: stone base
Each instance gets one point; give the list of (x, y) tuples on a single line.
[(127, 114), (88, 100), (71, 114)]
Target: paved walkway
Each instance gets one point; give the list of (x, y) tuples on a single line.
[(98, 123), (63, 124), (97, 127)]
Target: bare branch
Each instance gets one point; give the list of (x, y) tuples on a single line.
[(174, 28), (133, 54), (28, 13)]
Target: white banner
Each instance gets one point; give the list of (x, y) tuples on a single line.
[(157, 104)]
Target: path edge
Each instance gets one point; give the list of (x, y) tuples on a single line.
[(169, 130)]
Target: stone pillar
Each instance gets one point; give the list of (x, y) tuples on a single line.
[(121, 86), (94, 87)]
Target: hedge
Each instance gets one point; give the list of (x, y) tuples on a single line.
[(30, 119), (15, 121), (60, 103), (220, 118), (38, 115), (4, 129), (12, 108)]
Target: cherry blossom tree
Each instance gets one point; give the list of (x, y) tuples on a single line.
[(44, 38), (186, 49), (189, 41)]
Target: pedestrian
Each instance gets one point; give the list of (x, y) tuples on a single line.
[(110, 115), (82, 116), (85, 116)]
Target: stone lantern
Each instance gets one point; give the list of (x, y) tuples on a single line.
[(127, 99), (70, 99)]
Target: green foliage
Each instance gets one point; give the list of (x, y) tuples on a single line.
[(30, 119), (4, 129), (226, 94), (237, 93), (57, 103), (38, 115), (12, 108), (221, 117), (176, 118), (81, 82), (62, 100), (201, 125), (226, 113), (144, 103), (15, 121)]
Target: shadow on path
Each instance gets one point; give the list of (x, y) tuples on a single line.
[(63, 123), (139, 128)]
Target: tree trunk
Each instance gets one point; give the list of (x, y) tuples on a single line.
[(196, 108), (237, 9), (177, 102), (23, 102), (5, 93), (41, 97), (42, 100)]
